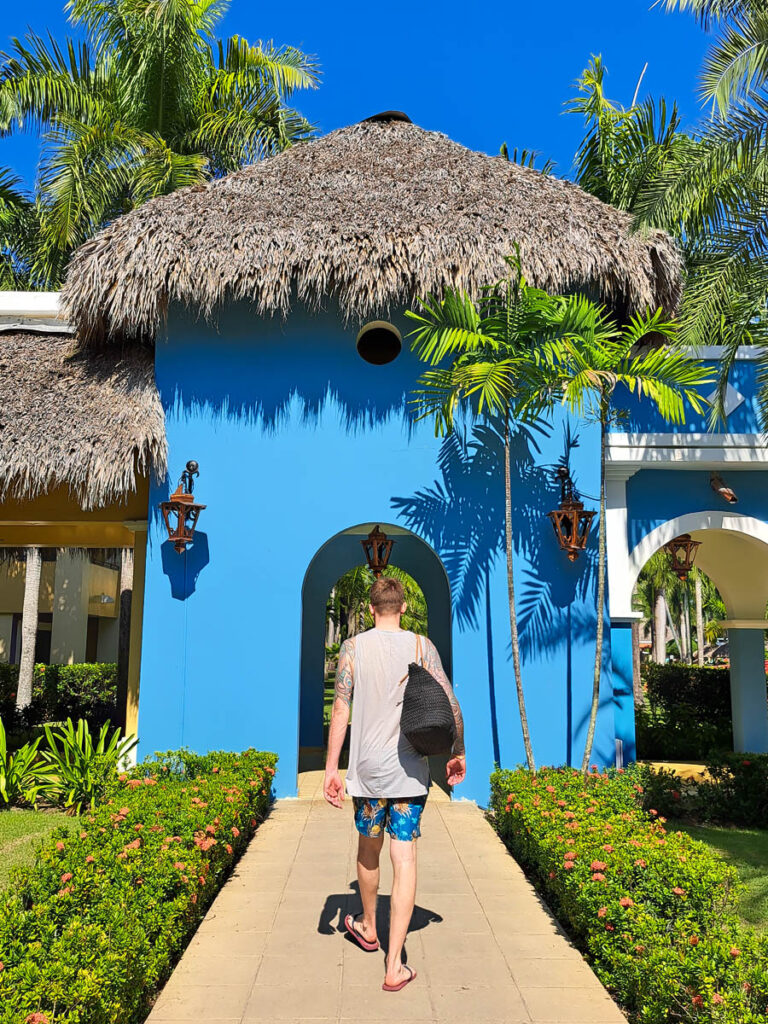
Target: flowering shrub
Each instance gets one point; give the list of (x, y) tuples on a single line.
[(736, 792), (652, 909), (91, 931)]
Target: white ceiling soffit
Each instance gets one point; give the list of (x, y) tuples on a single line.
[(32, 311)]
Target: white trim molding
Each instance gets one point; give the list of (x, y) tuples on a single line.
[(32, 311), (743, 623), (629, 453), (714, 353), (623, 575)]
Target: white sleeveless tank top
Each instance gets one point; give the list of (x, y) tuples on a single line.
[(382, 763)]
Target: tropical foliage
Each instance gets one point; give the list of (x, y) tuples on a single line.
[(22, 777), (347, 611), (704, 187), (151, 102), (84, 768), (716, 192)]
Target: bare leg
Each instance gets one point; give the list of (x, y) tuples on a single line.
[(403, 856), (368, 853)]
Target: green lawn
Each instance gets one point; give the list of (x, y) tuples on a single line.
[(20, 834), (747, 850)]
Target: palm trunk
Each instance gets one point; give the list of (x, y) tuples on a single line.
[(675, 634), (687, 625), (600, 607), (699, 623), (29, 627), (512, 606), (660, 627)]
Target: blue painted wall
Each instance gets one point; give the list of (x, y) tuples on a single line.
[(655, 496), (642, 417), (298, 439)]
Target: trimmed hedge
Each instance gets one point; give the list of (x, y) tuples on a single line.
[(735, 794), (91, 931), (59, 692), (654, 911), (686, 714), (706, 691)]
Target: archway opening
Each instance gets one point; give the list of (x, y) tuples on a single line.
[(334, 606), (726, 701)]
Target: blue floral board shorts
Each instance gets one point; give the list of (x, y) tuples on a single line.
[(400, 817)]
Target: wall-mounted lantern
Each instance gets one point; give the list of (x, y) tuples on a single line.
[(180, 511), (571, 521), (377, 547), (682, 554)]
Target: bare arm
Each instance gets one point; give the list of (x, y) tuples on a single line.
[(345, 680), (433, 665)]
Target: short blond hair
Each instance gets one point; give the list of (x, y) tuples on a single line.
[(387, 595)]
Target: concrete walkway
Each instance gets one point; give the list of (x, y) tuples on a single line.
[(485, 947)]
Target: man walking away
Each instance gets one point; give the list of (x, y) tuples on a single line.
[(387, 779)]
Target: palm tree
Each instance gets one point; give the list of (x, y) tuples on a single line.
[(623, 150), (19, 233), (640, 160), (714, 194), (583, 362), (29, 627), (485, 345), (150, 103)]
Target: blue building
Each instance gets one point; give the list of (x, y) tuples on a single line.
[(275, 299)]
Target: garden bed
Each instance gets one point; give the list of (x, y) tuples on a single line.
[(90, 931), (653, 910)]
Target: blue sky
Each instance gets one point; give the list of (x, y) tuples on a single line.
[(483, 73)]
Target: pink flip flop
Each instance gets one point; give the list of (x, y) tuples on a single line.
[(349, 924), (396, 988)]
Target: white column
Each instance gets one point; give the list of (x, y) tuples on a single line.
[(620, 581), (6, 627), (70, 608)]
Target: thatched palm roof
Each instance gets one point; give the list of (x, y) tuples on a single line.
[(373, 215), (88, 421)]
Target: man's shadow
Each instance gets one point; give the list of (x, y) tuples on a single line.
[(338, 905)]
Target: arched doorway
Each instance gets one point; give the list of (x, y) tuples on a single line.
[(734, 554), (338, 555)]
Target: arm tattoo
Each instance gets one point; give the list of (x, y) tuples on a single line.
[(433, 664), (345, 673)]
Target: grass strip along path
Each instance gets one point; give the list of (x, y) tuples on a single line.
[(745, 849), (20, 835)]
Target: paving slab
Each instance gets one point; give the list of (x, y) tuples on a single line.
[(272, 947)]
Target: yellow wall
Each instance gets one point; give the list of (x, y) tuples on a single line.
[(101, 580)]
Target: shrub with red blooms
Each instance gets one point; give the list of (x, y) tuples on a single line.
[(90, 932), (652, 909)]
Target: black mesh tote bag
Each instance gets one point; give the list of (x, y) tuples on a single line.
[(426, 718)]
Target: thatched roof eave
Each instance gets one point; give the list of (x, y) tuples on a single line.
[(88, 421)]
